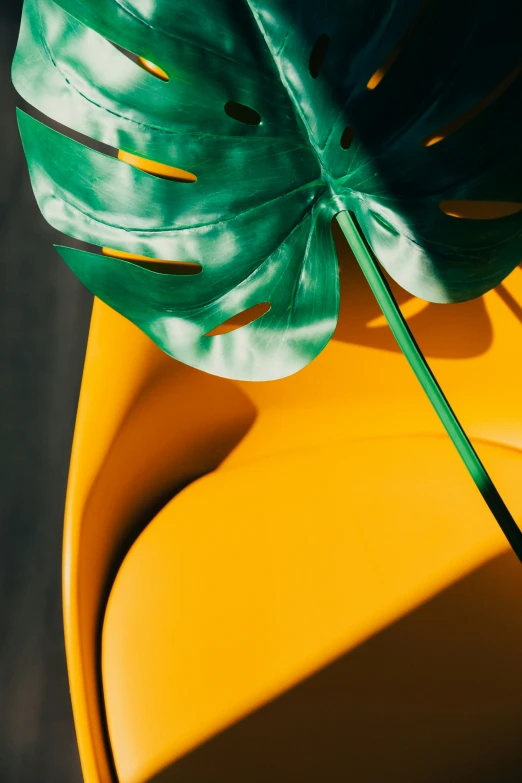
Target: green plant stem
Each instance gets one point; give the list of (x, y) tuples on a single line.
[(420, 367)]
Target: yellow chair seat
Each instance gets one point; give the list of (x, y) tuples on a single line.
[(283, 523), (255, 576)]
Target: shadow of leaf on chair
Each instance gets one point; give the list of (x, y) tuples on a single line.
[(452, 331), (437, 696)]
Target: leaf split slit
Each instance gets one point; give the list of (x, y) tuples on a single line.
[(147, 65), (126, 52), (243, 318), (384, 69), (463, 119), (158, 265)]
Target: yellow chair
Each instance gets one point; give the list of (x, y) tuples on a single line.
[(226, 541)]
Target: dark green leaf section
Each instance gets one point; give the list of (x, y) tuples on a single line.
[(257, 218)]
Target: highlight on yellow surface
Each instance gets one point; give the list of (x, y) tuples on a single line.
[(157, 169), (283, 523), (257, 576)]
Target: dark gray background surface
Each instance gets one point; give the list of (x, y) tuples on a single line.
[(44, 318)]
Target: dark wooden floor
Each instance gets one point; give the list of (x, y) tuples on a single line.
[(44, 316)]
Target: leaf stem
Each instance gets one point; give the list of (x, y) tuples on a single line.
[(420, 367)]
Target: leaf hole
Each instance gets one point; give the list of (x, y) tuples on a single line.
[(157, 265), (480, 210), (381, 72), (318, 55), (242, 113), (161, 170), (347, 137), (240, 319), (474, 111)]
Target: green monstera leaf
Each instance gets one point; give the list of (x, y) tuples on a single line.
[(344, 98), (399, 117)]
